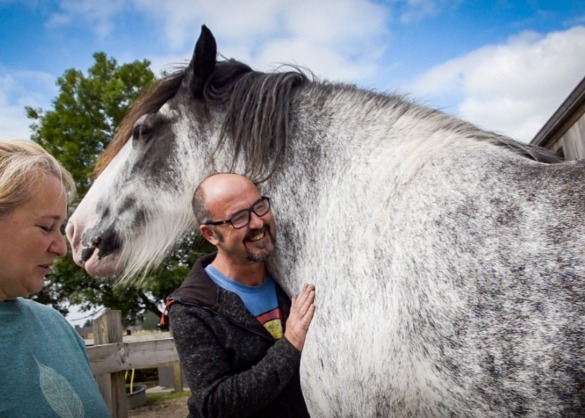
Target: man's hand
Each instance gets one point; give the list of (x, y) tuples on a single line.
[(301, 313)]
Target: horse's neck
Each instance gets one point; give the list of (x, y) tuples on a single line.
[(340, 132), (353, 163), (343, 119)]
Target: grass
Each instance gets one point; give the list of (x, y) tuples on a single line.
[(162, 397)]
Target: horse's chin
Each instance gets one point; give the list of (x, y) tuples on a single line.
[(103, 267)]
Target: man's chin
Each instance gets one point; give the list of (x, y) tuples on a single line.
[(259, 255), (259, 251)]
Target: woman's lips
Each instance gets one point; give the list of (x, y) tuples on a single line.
[(46, 268)]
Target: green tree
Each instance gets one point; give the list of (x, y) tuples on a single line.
[(82, 122), (87, 111), (150, 321)]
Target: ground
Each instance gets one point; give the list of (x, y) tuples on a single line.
[(168, 408), (174, 406)]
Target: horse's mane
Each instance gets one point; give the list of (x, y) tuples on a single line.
[(257, 109), (257, 113), (529, 151)]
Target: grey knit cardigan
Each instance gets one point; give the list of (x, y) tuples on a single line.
[(233, 366)]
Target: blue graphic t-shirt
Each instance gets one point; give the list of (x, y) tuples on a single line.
[(260, 300), (44, 370)]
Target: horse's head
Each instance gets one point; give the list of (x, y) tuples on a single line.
[(139, 205), (211, 116)]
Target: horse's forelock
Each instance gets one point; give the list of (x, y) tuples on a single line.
[(257, 114)]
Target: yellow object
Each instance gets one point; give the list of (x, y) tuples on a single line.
[(131, 379)]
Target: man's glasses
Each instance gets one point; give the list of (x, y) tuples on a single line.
[(242, 218)]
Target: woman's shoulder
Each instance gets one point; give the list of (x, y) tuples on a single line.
[(33, 308)]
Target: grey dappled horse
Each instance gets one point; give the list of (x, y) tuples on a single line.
[(448, 261)]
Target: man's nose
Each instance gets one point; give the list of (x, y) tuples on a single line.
[(255, 221)]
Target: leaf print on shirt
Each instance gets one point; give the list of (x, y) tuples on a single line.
[(59, 393)]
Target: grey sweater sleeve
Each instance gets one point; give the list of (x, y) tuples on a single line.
[(215, 390)]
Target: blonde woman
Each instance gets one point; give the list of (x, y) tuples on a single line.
[(44, 369)]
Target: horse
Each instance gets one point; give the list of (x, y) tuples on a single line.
[(448, 260)]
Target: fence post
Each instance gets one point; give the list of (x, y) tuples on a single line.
[(177, 377), (107, 329)]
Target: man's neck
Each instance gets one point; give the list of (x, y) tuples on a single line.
[(249, 273)]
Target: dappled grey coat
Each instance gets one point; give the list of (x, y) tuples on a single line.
[(233, 365)]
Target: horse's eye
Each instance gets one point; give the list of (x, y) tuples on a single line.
[(141, 132)]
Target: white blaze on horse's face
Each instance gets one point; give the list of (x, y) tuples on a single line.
[(118, 226), (85, 218)]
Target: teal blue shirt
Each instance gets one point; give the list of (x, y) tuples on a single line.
[(44, 369)]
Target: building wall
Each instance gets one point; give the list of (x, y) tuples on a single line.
[(564, 132), (571, 145)]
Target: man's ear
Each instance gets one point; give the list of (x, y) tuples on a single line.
[(209, 234)]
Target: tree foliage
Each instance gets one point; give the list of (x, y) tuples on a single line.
[(82, 122), (87, 111)]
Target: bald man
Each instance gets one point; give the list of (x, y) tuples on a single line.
[(238, 335)]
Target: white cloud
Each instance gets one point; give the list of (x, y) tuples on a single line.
[(179, 20), (13, 122), (342, 42), (99, 14), (512, 88), (17, 90), (336, 39)]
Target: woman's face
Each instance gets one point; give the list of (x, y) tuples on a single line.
[(31, 239)]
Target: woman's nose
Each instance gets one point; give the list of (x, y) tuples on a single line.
[(59, 246)]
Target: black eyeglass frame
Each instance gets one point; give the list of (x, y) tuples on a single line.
[(238, 213)]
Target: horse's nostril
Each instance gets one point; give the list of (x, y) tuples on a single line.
[(87, 253)]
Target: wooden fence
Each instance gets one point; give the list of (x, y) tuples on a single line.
[(111, 357)]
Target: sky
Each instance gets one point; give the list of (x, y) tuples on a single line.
[(504, 65)]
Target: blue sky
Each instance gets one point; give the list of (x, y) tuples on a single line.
[(504, 65)]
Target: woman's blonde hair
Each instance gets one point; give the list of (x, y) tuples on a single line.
[(22, 164)]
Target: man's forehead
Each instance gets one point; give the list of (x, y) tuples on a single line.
[(224, 191), (225, 183), (228, 197)]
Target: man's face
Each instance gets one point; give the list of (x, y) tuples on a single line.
[(251, 243)]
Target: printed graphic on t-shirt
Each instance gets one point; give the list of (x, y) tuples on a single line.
[(272, 321), (59, 393)]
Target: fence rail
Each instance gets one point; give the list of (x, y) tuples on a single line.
[(110, 357), (117, 357)]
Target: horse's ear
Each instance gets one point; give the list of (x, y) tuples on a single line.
[(203, 61)]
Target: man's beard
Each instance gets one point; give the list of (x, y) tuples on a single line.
[(262, 254)]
